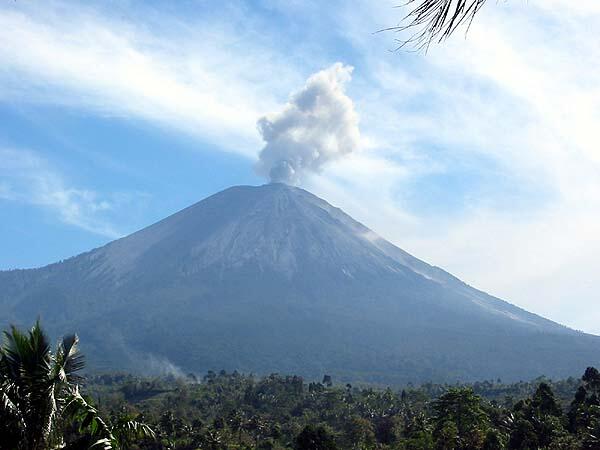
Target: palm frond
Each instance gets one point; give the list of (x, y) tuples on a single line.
[(102, 444), (11, 417), (27, 356), (8, 396), (68, 359), (78, 409), (435, 20), (126, 428)]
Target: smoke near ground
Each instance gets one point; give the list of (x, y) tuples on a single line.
[(317, 125)]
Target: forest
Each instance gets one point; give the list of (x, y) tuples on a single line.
[(235, 411), (46, 403)]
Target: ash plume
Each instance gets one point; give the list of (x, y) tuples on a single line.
[(317, 125)]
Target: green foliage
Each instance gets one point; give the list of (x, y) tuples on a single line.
[(460, 421), (493, 440), (36, 387), (315, 438), (544, 403), (41, 407), (235, 411)]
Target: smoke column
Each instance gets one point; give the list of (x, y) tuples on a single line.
[(317, 125)]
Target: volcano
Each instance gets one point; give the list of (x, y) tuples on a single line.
[(274, 279)]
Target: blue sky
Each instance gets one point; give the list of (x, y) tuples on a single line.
[(480, 156)]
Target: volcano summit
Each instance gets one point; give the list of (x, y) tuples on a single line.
[(274, 279)]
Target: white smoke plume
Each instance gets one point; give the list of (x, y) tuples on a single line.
[(317, 125)]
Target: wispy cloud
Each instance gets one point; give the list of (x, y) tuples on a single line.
[(25, 177), (193, 79)]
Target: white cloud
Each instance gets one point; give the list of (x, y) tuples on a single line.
[(26, 178)]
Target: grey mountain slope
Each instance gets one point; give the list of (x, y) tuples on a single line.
[(272, 278)]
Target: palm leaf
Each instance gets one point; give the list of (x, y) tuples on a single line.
[(8, 396), (126, 428), (435, 20), (68, 359), (78, 409)]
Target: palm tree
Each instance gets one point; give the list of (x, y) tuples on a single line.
[(40, 398)]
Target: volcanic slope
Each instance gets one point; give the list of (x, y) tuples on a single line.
[(274, 279)]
